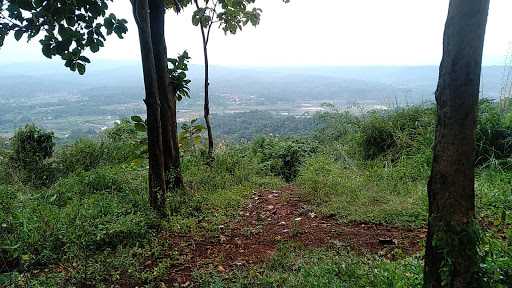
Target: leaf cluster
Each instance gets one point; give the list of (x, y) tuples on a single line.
[(190, 136), (178, 75), (141, 140), (231, 15), (65, 28)]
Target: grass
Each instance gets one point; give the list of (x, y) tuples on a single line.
[(93, 226), (374, 193), (296, 266)]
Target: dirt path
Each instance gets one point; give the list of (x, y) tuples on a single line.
[(275, 216)]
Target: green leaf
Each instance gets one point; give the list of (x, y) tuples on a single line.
[(94, 48), (137, 119), (140, 127), (80, 68), (84, 59), (18, 34)]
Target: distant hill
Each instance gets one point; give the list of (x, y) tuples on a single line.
[(50, 95)]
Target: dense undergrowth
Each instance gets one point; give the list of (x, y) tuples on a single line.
[(78, 215)]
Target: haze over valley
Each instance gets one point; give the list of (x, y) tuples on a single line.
[(75, 106)]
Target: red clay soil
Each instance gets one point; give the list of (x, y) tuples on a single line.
[(276, 216)]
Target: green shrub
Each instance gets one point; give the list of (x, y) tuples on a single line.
[(114, 146), (494, 134), (80, 215), (406, 131), (336, 127), (283, 156), (84, 154), (31, 148), (5, 176), (377, 136)]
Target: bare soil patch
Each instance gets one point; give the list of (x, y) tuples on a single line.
[(275, 216)]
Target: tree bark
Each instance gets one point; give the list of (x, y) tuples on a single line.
[(207, 98), (157, 185), (206, 107), (451, 257), (167, 97)]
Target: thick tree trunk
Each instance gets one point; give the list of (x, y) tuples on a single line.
[(157, 185), (451, 257), (167, 97)]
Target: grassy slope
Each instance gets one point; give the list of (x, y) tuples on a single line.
[(94, 227)]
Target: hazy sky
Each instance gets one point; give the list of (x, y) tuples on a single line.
[(306, 32)]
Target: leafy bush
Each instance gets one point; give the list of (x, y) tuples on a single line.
[(84, 154), (5, 175), (114, 146), (283, 156), (377, 137), (78, 216), (336, 127), (31, 148), (397, 133), (494, 134)]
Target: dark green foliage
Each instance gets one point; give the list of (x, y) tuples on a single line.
[(246, 126), (283, 156), (190, 137), (496, 251), (68, 28), (80, 215), (178, 75), (9, 260), (377, 137), (31, 148), (397, 133), (231, 15), (494, 133), (115, 146), (84, 154), (335, 126), (4, 163)]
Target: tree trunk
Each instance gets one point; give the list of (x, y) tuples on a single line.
[(207, 99), (157, 185), (166, 95), (451, 257), (206, 107)]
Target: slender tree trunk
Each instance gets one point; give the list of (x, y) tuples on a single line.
[(207, 98), (157, 185), (167, 97), (451, 257), (206, 107)]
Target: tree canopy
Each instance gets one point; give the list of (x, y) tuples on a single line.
[(64, 28)]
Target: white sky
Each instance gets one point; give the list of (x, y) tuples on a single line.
[(311, 32)]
